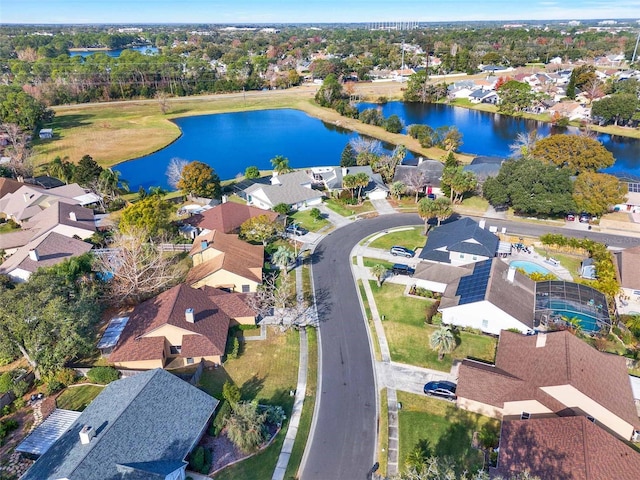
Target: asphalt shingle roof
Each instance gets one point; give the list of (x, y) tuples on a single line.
[(148, 422), (227, 217), (462, 236)]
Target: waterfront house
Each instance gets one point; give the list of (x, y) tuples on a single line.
[(294, 189)]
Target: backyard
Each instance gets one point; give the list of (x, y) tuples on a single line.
[(78, 397), (448, 430), (405, 323)]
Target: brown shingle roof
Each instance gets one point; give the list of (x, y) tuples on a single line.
[(563, 360), (628, 263), (234, 304), (8, 185), (564, 448), (168, 308), (227, 217)]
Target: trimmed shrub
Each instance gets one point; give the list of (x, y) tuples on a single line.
[(20, 388), (196, 460), (6, 382), (53, 386), (66, 376), (103, 375), (6, 427), (208, 458), (224, 410)]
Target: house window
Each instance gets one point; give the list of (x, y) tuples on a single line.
[(175, 349), (475, 258), (591, 419), (525, 416), (190, 361), (462, 255), (246, 288), (485, 323)]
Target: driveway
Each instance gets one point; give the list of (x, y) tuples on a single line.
[(343, 440)]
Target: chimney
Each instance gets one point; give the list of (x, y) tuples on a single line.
[(189, 316), (541, 340), (33, 255), (73, 217), (86, 434), (204, 244), (420, 160), (344, 171), (482, 223), (511, 274), (225, 199), (26, 197)]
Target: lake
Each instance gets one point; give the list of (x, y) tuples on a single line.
[(230, 142), (145, 49)]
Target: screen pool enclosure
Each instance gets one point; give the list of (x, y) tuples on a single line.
[(558, 301)]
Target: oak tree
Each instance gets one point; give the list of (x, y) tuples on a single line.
[(200, 180), (575, 153), (596, 193)]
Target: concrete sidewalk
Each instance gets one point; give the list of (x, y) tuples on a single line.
[(301, 388)]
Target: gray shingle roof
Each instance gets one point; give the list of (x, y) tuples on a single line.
[(431, 169), (463, 236), (147, 422), (289, 190)]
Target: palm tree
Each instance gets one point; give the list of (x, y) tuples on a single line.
[(280, 164), (378, 271), (440, 208), (443, 341), (397, 189), (361, 181), (282, 257), (110, 183), (349, 181)]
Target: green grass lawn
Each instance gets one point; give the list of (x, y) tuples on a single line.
[(408, 334), (383, 435), (303, 218), (412, 238), (475, 203), (348, 210), (570, 262), (265, 370), (370, 262), (7, 228), (77, 398), (448, 430), (307, 409)]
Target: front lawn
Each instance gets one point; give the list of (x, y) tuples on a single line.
[(412, 238), (78, 398), (474, 204), (370, 262), (448, 430), (408, 334), (265, 370), (348, 210), (303, 218)]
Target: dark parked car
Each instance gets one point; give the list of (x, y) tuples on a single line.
[(402, 269), (296, 230), (402, 251), (585, 217), (442, 389)]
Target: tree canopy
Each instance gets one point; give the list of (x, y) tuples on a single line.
[(200, 180), (530, 187), (260, 229), (152, 214), (575, 153), (87, 171), (17, 106), (514, 97), (596, 193), (617, 108)]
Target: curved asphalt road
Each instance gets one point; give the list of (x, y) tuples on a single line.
[(343, 442)]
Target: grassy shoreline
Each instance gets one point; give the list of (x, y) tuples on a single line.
[(115, 132)]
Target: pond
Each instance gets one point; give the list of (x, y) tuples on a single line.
[(485, 133), (230, 142), (145, 49)]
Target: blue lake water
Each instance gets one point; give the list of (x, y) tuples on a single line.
[(231, 142), (115, 53)]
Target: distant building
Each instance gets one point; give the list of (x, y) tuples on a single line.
[(46, 133)]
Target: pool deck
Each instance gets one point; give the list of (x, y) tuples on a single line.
[(558, 270)]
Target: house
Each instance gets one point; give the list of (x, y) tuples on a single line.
[(568, 448), (627, 264), (437, 276), (429, 171), (570, 110), (294, 189), (548, 375), (331, 179), (140, 427), (484, 96), (491, 298), (236, 305), (227, 217), (459, 243), (182, 326), (44, 251), (46, 133), (484, 167), (8, 185), (67, 219), (222, 260)]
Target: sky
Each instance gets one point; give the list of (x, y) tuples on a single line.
[(308, 11)]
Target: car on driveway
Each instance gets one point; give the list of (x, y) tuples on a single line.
[(294, 229), (570, 217), (402, 269), (584, 217), (401, 251), (441, 389)]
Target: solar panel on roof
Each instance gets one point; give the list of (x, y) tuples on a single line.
[(473, 288), (112, 333)]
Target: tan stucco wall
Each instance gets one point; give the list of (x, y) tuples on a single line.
[(243, 321), (574, 398), (140, 365), (478, 407), (69, 231), (171, 333), (224, 278), (208, 254)]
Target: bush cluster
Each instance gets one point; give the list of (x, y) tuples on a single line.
[(224, 410), (200, 460), (6, 427), (103, 375)]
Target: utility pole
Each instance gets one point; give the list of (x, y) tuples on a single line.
[(635, 50)]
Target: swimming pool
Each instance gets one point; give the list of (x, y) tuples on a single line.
[(530, 267)]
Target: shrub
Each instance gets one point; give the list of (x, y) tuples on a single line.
[(431, 311), (6, 382), (6, 427), (53, 386), (235, 348), (208, 458), (275, 415), (20, 388), (245, 426), (66, 376), (196, 460), (231, 392), (103, 375), (224, 410)]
